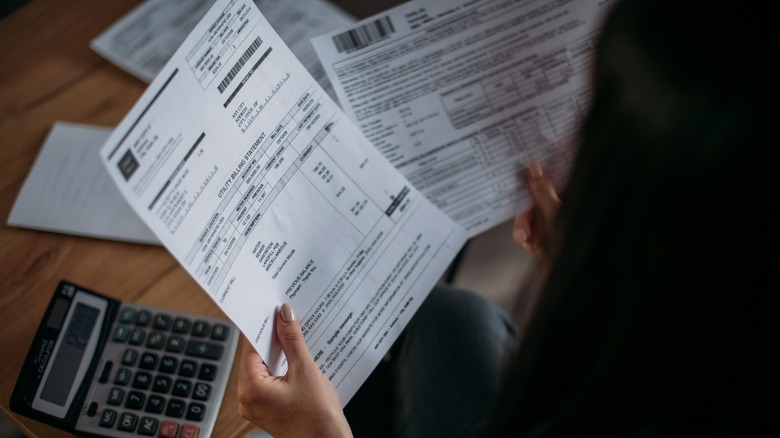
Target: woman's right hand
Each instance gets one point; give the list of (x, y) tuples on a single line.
[(302, 403), (532, 226)]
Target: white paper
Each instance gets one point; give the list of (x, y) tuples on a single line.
[(459, 95), (142, 41), (266, 193), (68, 190)]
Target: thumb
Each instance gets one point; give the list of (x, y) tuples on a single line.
[(290, 336), (542, 189)]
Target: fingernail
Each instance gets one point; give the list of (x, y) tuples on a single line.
[(534, 169), (288, 315), (521, 235)]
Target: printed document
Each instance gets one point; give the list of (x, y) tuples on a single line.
[(266, 193), (142, 41), (68, 190), (459, 95)]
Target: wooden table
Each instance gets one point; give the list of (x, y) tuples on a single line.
[(48, 73)]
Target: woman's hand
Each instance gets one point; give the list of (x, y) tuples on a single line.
[(531, 227), (301, 403)]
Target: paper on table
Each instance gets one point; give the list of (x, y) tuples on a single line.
[(142, 41), (460, 95), (266, 193), (68, 190)]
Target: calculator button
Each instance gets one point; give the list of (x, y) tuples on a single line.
[(203, 349), (219, 332), (202, 391), (122, 376), (181, 325), (200, 329), (143, 319), (155, 404), (207, 372), (127, 316), (148, 361), (189, 431), (108, 418), (187, 368), (195, 411), (142, 380), (92, 410), (129, 357), (135, 400), (182, 388), (175, 344), (156, 340), (120, 333), (162, 384), (168, 429), (115, 396), (175, 408), (168, 364), (104, 375), (127, 422), (148, 426), (161, 321), (136, 337)]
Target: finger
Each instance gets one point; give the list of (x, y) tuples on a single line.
[(521, 231), (253, 382), (288, 330), (253, 366), (542, 189)]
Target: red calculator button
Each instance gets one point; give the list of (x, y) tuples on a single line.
[(168, 429), (189, 431)]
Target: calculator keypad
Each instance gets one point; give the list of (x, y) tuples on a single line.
[(159, 374)]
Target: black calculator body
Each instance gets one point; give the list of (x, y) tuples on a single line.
[(99, 366)]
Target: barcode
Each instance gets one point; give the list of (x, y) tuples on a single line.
[(364, 35), (240, 63)]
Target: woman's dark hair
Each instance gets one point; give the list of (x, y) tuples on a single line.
[(658, 313)]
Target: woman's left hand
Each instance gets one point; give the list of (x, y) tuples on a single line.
[(532, 227), (301, 403)]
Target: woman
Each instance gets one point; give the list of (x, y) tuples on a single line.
[(658, 294)]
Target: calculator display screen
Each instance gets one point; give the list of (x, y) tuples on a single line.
[(72, 354)]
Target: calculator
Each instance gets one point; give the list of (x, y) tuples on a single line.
[(101, 366)]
